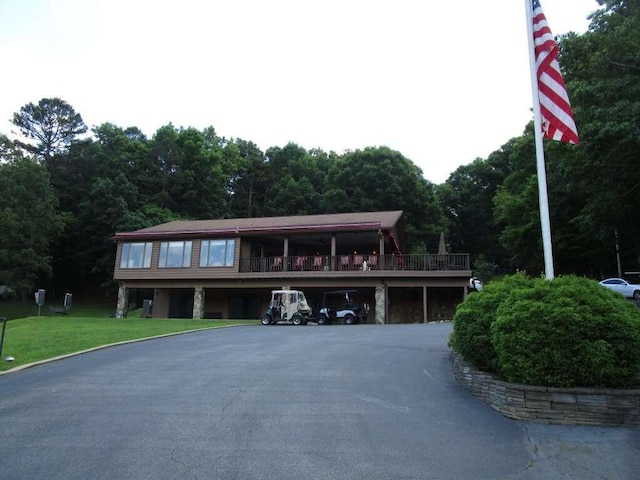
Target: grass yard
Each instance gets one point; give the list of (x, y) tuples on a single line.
[(13, 309), (33, 339)]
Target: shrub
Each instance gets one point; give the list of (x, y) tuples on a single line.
[(471, 336), (567, 332)]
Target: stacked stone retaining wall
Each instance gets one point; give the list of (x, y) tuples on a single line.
[(573, 406)]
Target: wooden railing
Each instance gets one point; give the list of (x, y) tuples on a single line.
[(451, 261)]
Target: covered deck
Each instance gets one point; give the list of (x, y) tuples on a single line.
[(374, 263)]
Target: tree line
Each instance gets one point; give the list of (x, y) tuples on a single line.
[(63, 193), (71, 194), (594, 188)]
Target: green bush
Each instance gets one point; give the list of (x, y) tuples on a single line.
[(567, 332), (471, 336)]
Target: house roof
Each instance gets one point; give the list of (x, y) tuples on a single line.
[(295, 224)]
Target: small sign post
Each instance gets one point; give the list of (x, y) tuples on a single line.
[(67, 301), (4, 326), (40, 294)]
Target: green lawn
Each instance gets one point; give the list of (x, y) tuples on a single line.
[(32, 339), (14, 309)]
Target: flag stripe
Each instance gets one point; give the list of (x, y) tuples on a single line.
[(555, 109)]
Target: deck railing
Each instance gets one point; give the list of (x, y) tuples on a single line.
[(451, 261)]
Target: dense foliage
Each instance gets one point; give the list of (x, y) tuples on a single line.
[(29, 220), (471, 336), (568, 332), (117, 179), (594, 188)]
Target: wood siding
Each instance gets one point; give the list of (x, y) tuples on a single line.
[(193, 272)]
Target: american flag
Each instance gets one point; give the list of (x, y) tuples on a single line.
[(557, 116)]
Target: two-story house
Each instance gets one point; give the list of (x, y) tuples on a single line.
[(227, 268)]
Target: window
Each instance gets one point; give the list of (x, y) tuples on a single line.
[(217, 253), (136, 255), (175, 255)]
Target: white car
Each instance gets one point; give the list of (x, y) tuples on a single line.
[(620, 285)]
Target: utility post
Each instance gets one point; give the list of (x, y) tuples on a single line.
[(4, 326), (40, 294)]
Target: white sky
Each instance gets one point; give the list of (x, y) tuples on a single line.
[(441, 82)]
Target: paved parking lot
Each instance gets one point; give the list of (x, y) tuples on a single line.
[(283, 402)]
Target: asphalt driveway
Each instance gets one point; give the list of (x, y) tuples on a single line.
[(283, 402)]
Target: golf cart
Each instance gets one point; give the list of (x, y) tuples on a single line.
[(289, 306), (341, 306)]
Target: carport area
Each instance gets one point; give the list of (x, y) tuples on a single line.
[(387, 303)]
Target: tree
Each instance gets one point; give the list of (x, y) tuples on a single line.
[(602, 72), (106, 185), (8, 148), (382, 179), (516, 208), (467, 200), (249, 184), (294, 182), (594, 188), (193, 174), (110, 207), (200, 182), (28, 223), (53, 123)]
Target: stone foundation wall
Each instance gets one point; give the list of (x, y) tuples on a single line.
[(572, 406)]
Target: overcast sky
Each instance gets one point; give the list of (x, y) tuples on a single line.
[(442, 82)]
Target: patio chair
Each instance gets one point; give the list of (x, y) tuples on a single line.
[(299, 265)]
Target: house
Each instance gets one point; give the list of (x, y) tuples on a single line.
[(226, 268)]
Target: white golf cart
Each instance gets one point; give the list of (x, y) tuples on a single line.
[(288, 306)]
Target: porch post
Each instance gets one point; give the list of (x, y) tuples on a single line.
[(381, 304), (424, 303), (285, 254), (333, 251), (198, 303), (123, 300)]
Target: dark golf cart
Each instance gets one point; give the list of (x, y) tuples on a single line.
[(341, 306)]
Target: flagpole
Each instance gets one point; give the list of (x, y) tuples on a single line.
[(540, 164)]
